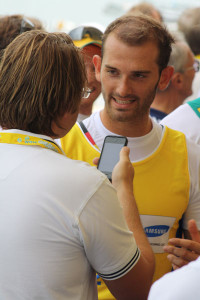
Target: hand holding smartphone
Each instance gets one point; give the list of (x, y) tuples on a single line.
[(110, 154)]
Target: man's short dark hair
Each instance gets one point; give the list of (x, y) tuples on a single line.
[(137, 30)]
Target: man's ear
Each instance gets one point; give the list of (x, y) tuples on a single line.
[(165, 77), (177, 80), (97, 64)]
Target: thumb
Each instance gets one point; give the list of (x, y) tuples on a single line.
[(193, 230), (96, 161), (124, 154)]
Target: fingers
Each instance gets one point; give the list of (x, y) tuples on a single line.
[(177, 262), (182, 251), (193, 230), (180, 256), (175, 267), (187, 244)]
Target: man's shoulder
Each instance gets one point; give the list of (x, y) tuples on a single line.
[(72, 135), (79, 144), (193, 148), (185, 120), (84, 126), (71, 169), (179, 111), (182, 112)]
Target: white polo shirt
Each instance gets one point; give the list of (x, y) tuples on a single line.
[(60, 222), (182, 284), (185, 120)]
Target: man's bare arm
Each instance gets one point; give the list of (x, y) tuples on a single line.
[(136, 283)]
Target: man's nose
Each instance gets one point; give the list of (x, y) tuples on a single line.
[(124, 87)]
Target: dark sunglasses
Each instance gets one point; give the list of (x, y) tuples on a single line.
[(26, 25), (80, 32)]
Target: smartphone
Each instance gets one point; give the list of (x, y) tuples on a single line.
[(110, 154)]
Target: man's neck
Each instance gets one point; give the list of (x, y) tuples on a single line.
[(167, 101), (134, 128)]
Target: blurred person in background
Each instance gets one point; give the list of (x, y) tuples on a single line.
[(88, 39), (146, 9), (13, 25), (186, 117), (180, 86), (189, 26)]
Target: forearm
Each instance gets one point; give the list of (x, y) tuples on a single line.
[(130, 210), (137, 282)]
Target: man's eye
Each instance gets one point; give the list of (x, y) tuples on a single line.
[(139, 75), (112, 72)]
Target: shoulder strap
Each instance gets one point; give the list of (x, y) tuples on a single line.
[(87, 134)]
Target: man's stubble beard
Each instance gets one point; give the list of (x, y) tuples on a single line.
[(137, 114)]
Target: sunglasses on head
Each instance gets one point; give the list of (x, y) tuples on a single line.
[(26, 25), (81, 32)]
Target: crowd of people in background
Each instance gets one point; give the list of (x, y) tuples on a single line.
[(67, 232)]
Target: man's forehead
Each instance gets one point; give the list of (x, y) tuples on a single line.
[(131, 64), (115, 48), (113, 39)]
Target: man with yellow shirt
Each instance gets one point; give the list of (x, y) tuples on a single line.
[(135, 54)]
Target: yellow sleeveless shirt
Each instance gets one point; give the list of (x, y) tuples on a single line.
[(161, 188)]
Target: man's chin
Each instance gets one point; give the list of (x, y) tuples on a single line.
[(121, 116)]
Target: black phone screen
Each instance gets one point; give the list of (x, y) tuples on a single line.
[(110, 153)]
